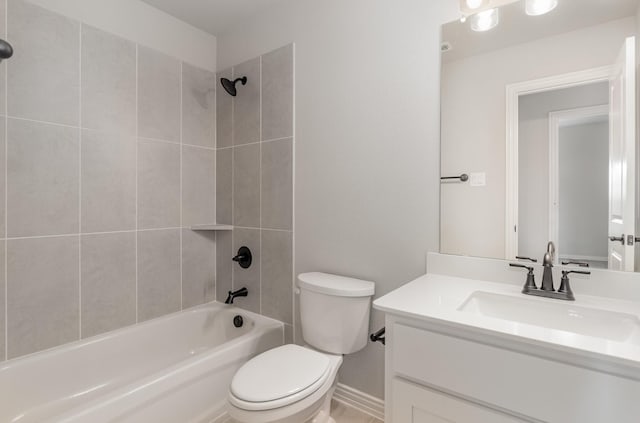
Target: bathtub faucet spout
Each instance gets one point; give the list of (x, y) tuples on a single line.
[(242, 292)]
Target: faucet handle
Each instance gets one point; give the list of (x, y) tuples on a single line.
[(527, 258), (565, 288), (580, 272), (577, 263), (530, 284), (529, 268)]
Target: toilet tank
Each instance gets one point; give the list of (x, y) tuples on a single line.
[(334, 311)]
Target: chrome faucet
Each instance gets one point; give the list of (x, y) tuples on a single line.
[(547, 263), (547, 289)]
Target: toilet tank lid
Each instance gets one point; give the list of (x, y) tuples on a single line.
[(339, 286)]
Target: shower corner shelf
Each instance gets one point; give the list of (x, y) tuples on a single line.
[(212, 227)]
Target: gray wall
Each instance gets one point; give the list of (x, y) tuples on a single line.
[(110, 157), (367, 140), (533, 160), (255, 184), (584, 190)]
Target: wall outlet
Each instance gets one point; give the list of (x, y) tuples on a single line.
[(478, 179)]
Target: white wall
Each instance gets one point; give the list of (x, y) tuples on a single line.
[(367, 140), (584, 190), (143, 24), (533, 161), (473, 125)]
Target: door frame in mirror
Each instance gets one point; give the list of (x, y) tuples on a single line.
[(513, 92), (555, 121)]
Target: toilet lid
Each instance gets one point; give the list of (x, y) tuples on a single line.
[(279, 373)]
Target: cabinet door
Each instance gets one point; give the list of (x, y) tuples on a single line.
[(417, 404)]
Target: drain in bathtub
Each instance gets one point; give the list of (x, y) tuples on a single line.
[(238, 321)]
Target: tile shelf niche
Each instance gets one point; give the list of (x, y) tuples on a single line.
[(212, 227)]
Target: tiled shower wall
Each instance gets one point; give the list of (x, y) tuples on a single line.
[(107, 156), (255, 184)]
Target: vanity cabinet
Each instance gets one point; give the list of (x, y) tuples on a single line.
[(434, 375), (418, 404)]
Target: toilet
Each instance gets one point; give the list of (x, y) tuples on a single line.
[(292, 383)]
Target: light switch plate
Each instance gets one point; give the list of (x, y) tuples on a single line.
[(478, 179)]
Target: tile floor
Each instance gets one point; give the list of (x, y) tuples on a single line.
[(345, 414)]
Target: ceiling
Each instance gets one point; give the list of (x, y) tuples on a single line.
[(212, 16), (516, 27)]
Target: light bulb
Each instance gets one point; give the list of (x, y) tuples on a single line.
[(485, 20), (474, 4), (540, 7)]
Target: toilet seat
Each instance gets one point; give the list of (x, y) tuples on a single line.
[(279, 377)]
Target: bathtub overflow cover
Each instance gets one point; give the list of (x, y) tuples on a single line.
[(238, 321)]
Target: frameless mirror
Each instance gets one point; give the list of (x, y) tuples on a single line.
[(539, 115)]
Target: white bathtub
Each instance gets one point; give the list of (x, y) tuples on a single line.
[(173, 369)]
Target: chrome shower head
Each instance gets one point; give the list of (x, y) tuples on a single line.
[(230, 86)]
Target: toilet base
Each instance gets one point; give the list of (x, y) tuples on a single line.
[(324, 414)]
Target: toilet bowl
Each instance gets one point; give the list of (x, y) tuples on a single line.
[(295, 384), (286, 384)]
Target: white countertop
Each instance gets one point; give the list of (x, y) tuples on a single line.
[(437, 299)]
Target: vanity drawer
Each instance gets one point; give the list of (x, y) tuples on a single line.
[(524, 384), (416, 404)]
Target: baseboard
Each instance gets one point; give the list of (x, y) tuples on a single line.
[(359, 400)]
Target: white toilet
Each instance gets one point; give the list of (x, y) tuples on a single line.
[(294, 384)]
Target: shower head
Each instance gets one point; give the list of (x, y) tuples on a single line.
[(230, 86), (6, 51)]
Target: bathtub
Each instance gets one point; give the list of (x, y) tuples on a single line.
[(173, 369)]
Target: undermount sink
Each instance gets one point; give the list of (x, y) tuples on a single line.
[(603, 324)]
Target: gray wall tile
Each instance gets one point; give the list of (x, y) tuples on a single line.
[(158, 95), (158, 273), (108, 278), (44, 72), (108, 182), (224, 112), (108, 82), (277, 271), (43, 179), (198, 106), (288, 334), (246, 186), (277, 184), (224, 253), (3, 163), (198, 267), (198, 186), (43, 293), (158, 184), (3, 326), (277, 93), (224, 185), (246, 105), (3, 88), (250, 277), (3, 65)]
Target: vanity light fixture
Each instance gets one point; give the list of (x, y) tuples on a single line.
[(485, 20), (475, 4), (540, 7)]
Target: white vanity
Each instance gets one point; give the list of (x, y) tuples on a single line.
[(464, 345)]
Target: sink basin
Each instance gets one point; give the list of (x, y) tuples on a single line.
[(603, 324)]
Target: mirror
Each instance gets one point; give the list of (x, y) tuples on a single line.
[(539, 114)]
